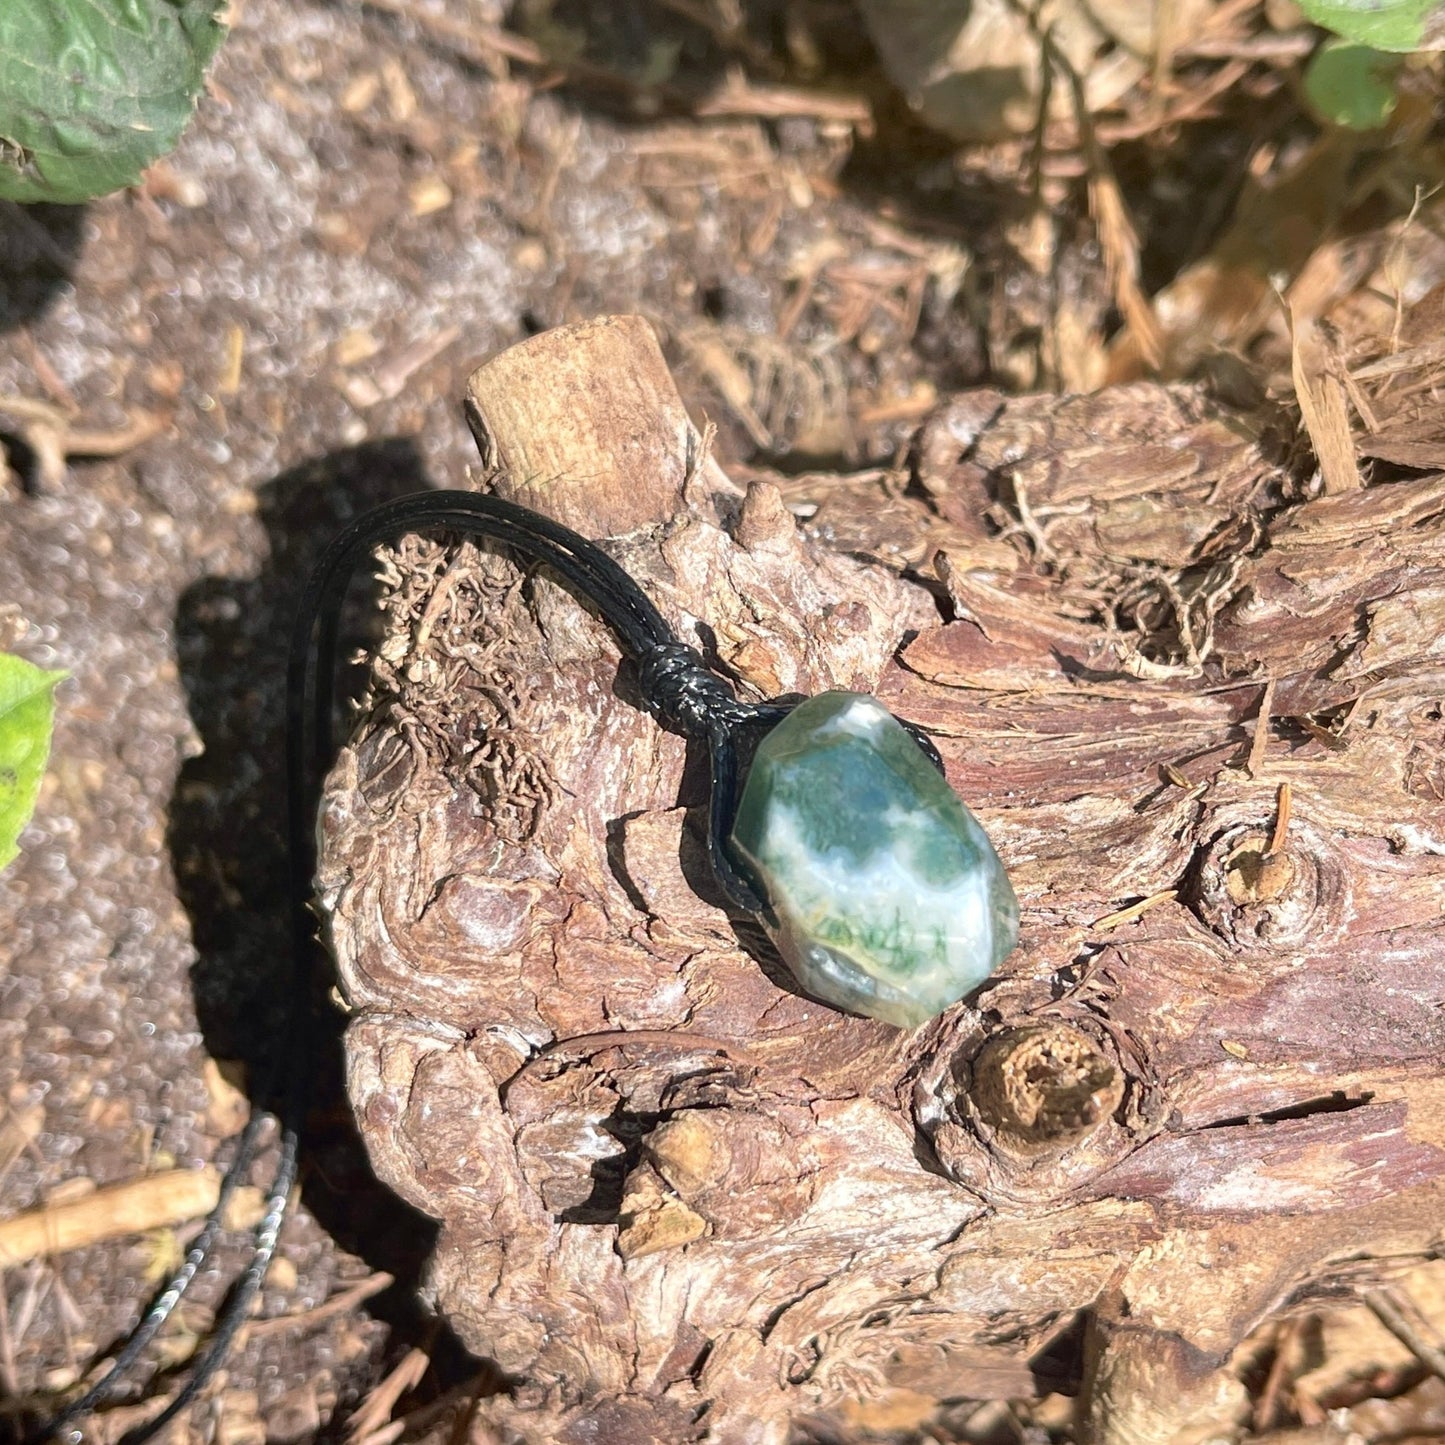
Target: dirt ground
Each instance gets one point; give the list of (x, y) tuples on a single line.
[(369, 204)]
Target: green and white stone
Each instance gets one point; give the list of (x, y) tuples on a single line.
[(887, 897)]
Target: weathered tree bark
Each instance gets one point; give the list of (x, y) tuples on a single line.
[(679, 1201)]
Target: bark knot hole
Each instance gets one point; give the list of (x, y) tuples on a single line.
[(1254, 875), (1298, 896), (1045, 1087)]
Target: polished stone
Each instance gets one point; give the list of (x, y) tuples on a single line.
[(887, 898)]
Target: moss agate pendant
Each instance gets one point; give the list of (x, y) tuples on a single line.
[(885, 896)]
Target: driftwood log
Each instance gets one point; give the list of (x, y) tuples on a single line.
[(680, 1201)]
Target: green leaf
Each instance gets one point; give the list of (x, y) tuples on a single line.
[(1398, 25), (26, 710), (92, 91), (1352, 85)]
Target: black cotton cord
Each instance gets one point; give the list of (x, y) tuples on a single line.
[(238, 1306), (675, 683), (167, 1300)]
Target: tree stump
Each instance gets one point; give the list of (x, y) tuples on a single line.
[(1198, 710)]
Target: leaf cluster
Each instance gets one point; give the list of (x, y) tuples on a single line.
[(27, 710), (93, 91), (1352, 79)]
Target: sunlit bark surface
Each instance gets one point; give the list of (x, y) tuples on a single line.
[(679, 1200)]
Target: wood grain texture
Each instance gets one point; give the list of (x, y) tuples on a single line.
[(679, 1201)]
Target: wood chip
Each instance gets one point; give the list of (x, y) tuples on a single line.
[(341, 1303), (1393, 1310), (375, 1411), (49, 378), (17, 1132), (283, 1275), (354, 346), (670, 1225), (1118, 236), (400, 97), (230, 381), (360, 92), (51, 435), (482, 42), (1281, 820), (1119, 241), (1136, 910), (738, 96), (1323, 406), (69, 1190), (153, 1202), (429, 195), (1261, 730), (227, 1107), (1431, 353), (918, 403), (393, 375)]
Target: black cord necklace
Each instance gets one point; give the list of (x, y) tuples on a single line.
[(880, 889)]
